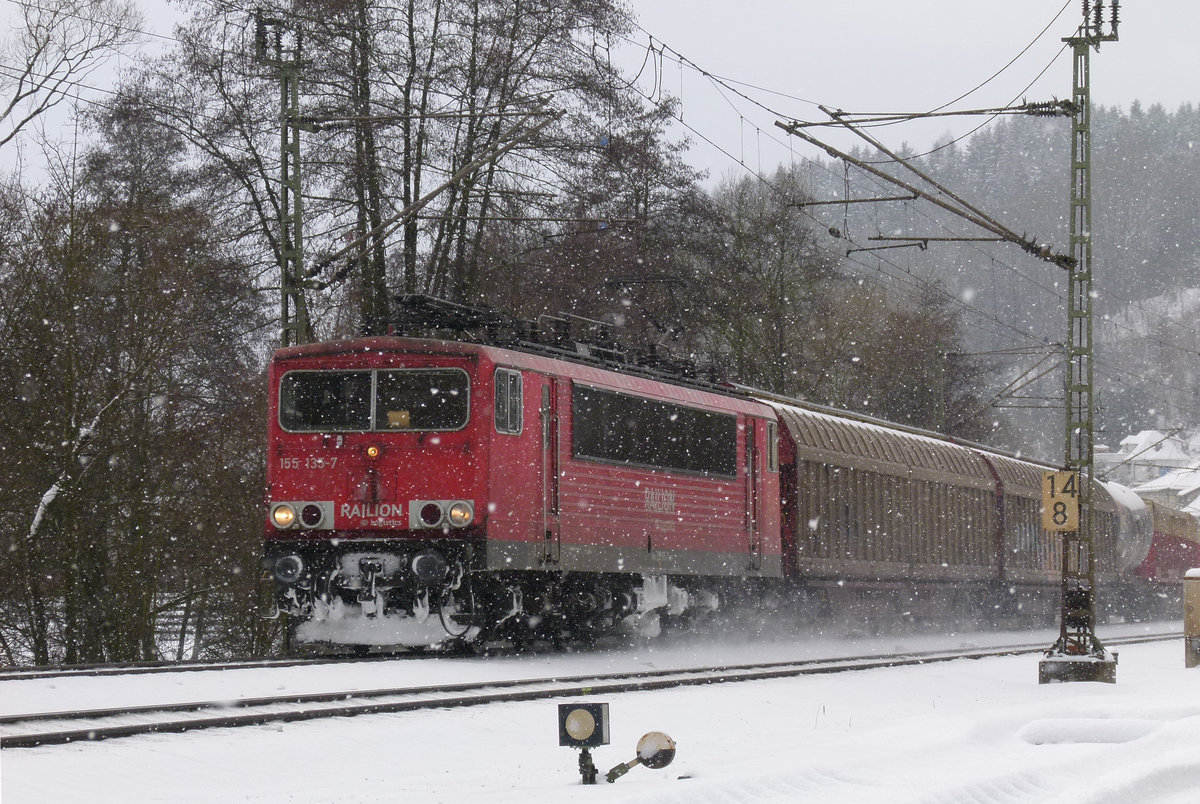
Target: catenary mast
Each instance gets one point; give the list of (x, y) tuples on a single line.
[(1078, 655)]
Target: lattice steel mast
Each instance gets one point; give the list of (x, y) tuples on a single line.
[(294, 326), (1078, 655)]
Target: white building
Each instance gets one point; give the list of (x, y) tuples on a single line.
[(1178, 489), (1142, 458)]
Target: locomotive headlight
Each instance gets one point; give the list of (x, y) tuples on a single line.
[(283, 516), (461, 514), (372, 451), (288, 569)]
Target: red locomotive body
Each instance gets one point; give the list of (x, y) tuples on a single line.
[(419, 488)]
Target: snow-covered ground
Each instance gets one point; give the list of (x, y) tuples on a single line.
[(968, 730)]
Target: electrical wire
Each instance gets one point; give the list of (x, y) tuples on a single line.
[(920, 291), (117, 26), (1051, 291)]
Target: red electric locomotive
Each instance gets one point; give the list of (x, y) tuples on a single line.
[(518, 486)]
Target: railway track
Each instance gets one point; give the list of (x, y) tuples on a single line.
[(52, 728), (140, 668)]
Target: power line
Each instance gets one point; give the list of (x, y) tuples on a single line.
[(924, 287), (1010, 63), (716, 80), (759, 177)]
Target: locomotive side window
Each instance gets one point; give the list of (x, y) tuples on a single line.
[(616, 427), (325, 400), (772, 447), (359, 401), (421, 399), (508, 401)]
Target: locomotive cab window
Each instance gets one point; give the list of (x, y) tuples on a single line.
[(508, 401), (325, 400), (420, 399), (360, 401)]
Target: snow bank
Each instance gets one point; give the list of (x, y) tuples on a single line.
[(973, 730)]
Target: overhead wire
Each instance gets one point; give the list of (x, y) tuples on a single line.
[(922, 288), (1010, 63), (1055, 292), (717, 78), (718, 82), (1040, 285), (990, 119), (65, 13)]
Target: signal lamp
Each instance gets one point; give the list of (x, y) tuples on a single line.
[(311, 515), (283, 516), (431, 514), (583, 725), (460, 514)]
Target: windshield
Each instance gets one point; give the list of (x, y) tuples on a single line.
[(398, 399)]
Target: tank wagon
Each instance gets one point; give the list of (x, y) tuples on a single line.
[(1175, 550)]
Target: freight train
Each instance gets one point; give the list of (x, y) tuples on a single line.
[(500, 479)]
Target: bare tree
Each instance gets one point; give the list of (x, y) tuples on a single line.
[(400, 97), (53, 46), (130, 446)]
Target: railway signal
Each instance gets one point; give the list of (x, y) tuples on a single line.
[(655, 750), (585, 726)]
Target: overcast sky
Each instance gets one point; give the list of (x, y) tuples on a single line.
[(897, 56), (869, 56)]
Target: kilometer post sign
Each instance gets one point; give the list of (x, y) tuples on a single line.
[(1060, 501)]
